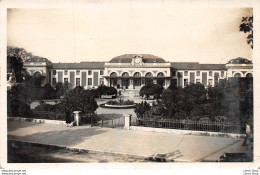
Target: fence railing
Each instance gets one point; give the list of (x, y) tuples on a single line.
[(110, 121), (226, 127)]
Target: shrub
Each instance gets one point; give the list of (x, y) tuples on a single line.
[(62, 89), (120, 102), (152, 89), (68, 117), (46, 107), (51, 112), (141, 108), (16, 104), (105, 90), (79, 99), (94, 93)]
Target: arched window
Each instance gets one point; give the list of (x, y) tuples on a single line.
[(37, 74), (237, 75), (148, 74), (249, 75), (125, 74), (113, 74), (160, 74), (137, 74)]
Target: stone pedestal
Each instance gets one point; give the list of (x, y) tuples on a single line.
[(127, 121), (77, 117)]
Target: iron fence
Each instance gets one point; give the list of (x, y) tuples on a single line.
[(110, 121), (185, 124)]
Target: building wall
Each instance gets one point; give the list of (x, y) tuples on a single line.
[(89, 78), (40, 67), (242, 69), (82, 77), (184, 76)]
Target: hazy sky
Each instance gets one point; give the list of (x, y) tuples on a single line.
[(98, 34)]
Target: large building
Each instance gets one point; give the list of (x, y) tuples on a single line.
[(132, 71)]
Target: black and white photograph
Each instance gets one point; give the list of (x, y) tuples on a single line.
[(132, 82)]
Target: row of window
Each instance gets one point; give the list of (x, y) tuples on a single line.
[(210, 81), (137, 74), (198, 73), (186, 82), (66, 80), (77, 72)]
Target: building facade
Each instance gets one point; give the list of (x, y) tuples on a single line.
[(132, 71)]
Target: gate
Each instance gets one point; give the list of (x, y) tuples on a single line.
[(111, 121)]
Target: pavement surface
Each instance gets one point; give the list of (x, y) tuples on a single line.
[(25, 152), (186, 148)]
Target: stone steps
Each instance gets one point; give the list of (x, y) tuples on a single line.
[(130, 93)]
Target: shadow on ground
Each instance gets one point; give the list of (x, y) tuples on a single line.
[(21, 125), (66, 137)]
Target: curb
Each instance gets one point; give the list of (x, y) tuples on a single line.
[(57, 122)]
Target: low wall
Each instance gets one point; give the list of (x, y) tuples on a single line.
[(187, 132), (59, 122)]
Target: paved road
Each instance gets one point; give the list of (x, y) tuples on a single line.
[(20, 152), (178, 147)]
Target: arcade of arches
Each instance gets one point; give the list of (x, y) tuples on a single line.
[(136, 81)]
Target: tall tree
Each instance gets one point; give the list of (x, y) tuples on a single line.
[(15, 58), (247, 27), (79, 99)]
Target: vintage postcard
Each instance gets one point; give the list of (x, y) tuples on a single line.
[(161, 84)]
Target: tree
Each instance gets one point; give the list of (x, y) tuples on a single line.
[(15, 58), (217, 101), (157, 110), (16, 103), (141, 108), (151, 89), (105, 90), (247, 27), (195, 93), (173, 100), (79, 99), (62, 89)]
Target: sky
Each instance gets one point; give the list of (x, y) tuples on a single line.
[(205, 35)]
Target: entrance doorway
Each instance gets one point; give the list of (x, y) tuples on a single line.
[(160, 81), (137, 83), (113, 82), (137, 80), (148, 78), (125, 83), (148, 81)]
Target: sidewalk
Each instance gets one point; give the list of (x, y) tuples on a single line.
[(178, 147)]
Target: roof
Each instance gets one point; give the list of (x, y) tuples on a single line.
[(37, 59), (240, 60), (127, 58), (81, 65), (196, 66)]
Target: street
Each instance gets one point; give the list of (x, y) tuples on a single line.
[(187, 148)]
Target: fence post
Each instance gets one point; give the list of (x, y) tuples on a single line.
[(127, 121), (102, 122), (91, 120), (77, 118), (112, 123)]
